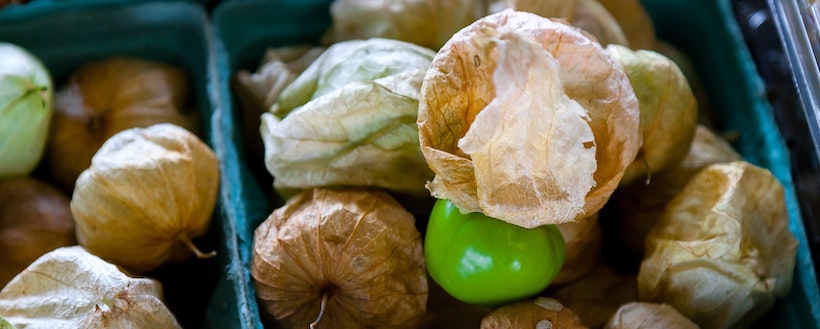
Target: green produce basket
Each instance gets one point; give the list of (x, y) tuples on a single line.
[(705, 30), (65, 35)]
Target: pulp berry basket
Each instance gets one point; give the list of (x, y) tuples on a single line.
[(66, 35)]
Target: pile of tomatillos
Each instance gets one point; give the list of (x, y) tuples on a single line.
[(103, 180), (515, 164)]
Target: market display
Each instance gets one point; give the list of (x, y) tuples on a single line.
[(496, 164)]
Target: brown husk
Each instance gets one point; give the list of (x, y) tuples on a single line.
[(357, 248), (540, 313), (34, 219)]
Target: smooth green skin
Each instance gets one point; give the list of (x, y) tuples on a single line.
[(482, 260)]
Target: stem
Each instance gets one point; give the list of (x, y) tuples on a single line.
[(199, 254), (321, 311)]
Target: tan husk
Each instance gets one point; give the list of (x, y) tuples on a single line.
[(582, 241), (70, 288), (34, 219), (104, 97), (539, 313), (727, 231), (148, 192), (597, 295), (357, 249), (550, 145), (592, 17), (638, 315), (638, 206), (561, 9)]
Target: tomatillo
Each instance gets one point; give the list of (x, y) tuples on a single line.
[(483, 260)]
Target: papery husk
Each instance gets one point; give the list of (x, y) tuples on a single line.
[(426, 23), (637, 315), (559, 9), (357, 249), (727, 232), (635, 22), (592, 17), (70, 288), (102, 98), (639, 206), (582, 241), (506, 176), (148, 192), (539, 313), (669, 111), (596, 296)]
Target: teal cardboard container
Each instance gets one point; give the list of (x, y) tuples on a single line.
[(705, 30), (65, 36)]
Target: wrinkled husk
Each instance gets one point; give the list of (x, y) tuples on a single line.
[(539, 313), (425, 23), (634, 21), (357, 248), (727, 232), (669, 110), (597, 295), (637, 315), (550, 144), (70, 288), (582, 241), (105, 97), (350, 120), (638, 206), (592, 17), (148, 192)]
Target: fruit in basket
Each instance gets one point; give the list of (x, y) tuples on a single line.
[(104, 97), (538, 313), (526, 120), (34, 219), (639, 315), (485, 261), (669, 111), (70, 288), (346, 258), (722, 251), (25, 110), (147, 193), (350, 120)]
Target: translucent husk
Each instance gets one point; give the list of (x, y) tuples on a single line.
[(70, 288), (526, 120)]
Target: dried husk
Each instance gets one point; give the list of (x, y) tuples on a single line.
[(638, 206), (638, 315), (669, 110), (592, 17), (102, 98), (596, 296), (34, 219), (539, 313), (582, 241), (560, 9), (357, 249), (148, 192), (727, 232), (634, 21), (425, 23), (550, 144), (70, 288)]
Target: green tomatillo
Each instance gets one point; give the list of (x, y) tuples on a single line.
[(482, 260)]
